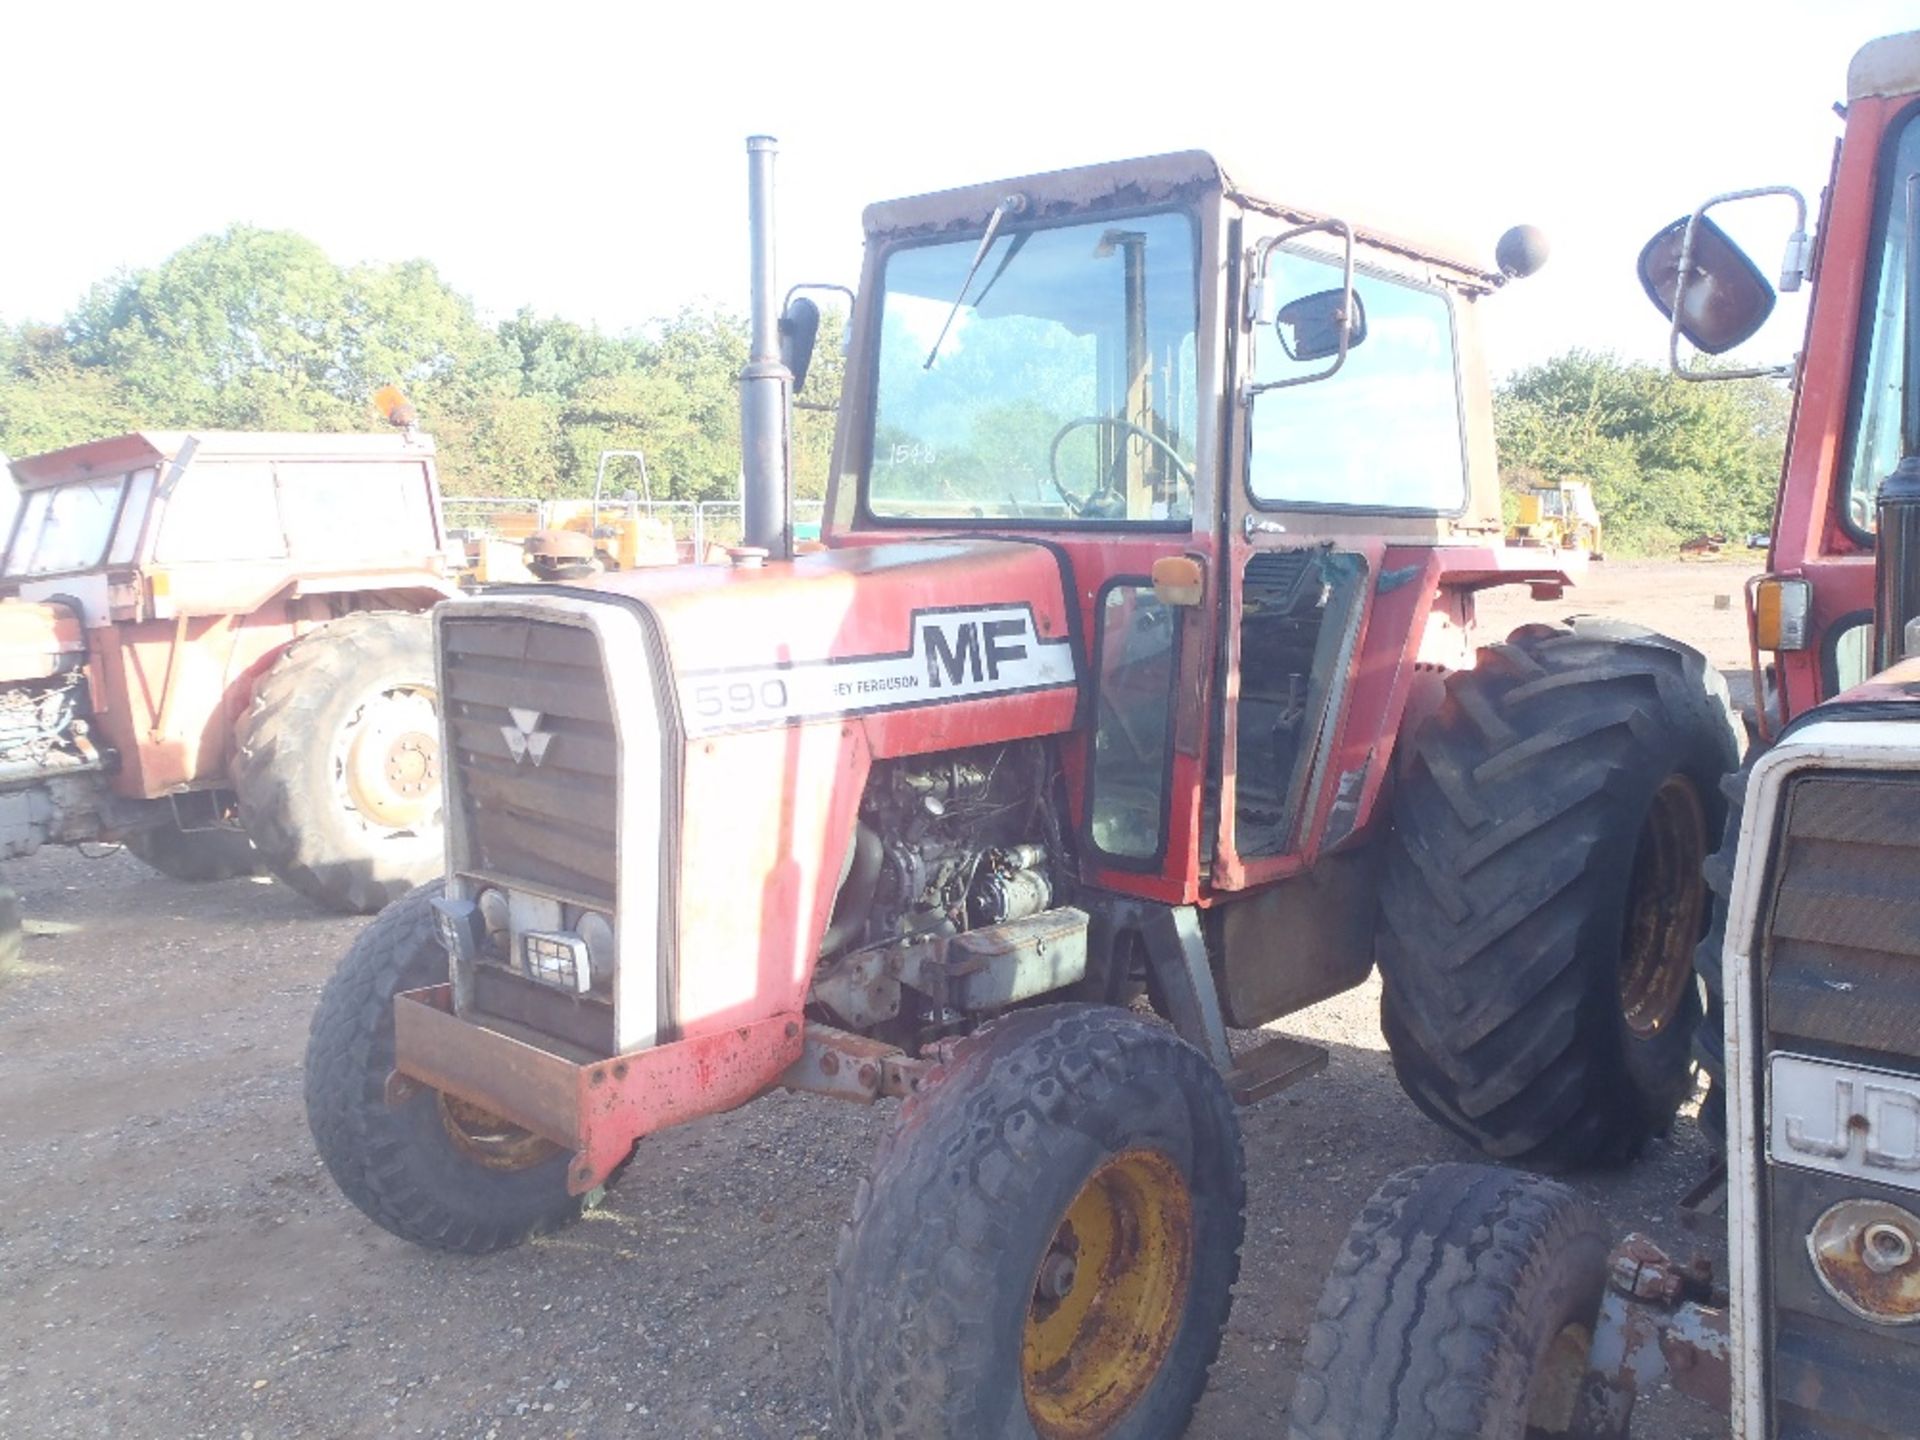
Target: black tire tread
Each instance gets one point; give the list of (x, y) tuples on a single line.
[(912, 1293), (1510, 810), (365, 1142), (1420, 1329), (287, 813)]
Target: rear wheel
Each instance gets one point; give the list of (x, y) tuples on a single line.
[(338, 766), (1544, 892), (1048, 1241), (1461, 1307), (432, 1169), (195, 855)]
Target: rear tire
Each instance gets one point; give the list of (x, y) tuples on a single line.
[(195, 856), (1048, 1241), (1543, 893), (429, 1170), (337, 763), (1461, 1307)]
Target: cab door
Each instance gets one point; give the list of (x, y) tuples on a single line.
[(1348, 460)]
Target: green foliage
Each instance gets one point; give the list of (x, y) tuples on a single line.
[(1668, 459), (259, 330)]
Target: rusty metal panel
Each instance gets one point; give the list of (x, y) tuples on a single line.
[(596, 1109), (1293, 944), (533, 1087)]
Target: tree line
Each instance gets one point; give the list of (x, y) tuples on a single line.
[(257, 329)]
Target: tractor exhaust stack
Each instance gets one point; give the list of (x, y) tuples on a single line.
[(766, 383)]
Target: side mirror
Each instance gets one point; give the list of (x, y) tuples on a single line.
[(1712, 294), (1725, 299), (799, 326), (1318, 325)]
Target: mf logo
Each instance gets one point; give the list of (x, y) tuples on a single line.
[(525, 739), (959, 652)]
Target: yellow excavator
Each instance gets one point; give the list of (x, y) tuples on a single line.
[(1561, 516)]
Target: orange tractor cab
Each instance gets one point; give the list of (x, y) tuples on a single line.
[(214, 648), (1138, 666)]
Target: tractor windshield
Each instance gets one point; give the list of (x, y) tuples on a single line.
[(1063, 390), (64, 527)]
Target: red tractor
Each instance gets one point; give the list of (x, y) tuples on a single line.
[(1137, 666), (214, 648), (1471, 1302)]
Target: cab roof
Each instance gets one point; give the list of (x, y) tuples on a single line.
[(141, 448), (1887, 66), (1177, 177)]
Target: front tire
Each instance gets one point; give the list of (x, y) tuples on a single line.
[(431, 1169), (337, 763), (1543, 892), (1048, 1241), (1461, 1307)]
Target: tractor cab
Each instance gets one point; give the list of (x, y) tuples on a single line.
[(1252, 434)]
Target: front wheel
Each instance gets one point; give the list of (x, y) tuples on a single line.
[(1048, 1241), (1461, 1307), (431, 1169)]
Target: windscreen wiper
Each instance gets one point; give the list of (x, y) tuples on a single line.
[(1011, 205)]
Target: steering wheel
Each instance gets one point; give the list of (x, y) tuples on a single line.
[(1108, 501)]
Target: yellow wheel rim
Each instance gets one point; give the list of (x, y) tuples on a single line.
[(1107, 1296), (486, 1139), (1668, 910)]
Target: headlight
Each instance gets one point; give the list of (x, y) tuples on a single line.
[(597, 931), (556, 958)]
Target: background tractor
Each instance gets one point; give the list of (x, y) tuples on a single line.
[(213, 647), (1558, 517), (1137, 666), (1475, 1302)]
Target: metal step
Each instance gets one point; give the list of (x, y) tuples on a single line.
[(1273, 1066)]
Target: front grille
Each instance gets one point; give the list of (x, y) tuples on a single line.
[(1839, 959), (537, 800)]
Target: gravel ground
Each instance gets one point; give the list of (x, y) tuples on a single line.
[(175, 1263)]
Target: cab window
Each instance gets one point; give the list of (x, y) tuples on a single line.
[(388, 500), (1384, 431), (1874, 448), (221, 510)]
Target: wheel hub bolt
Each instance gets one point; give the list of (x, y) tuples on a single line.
[(1056, 1276)]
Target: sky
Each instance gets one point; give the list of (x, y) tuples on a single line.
[(588, 161)]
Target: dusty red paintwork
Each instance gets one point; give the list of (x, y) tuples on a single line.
[(39, 641), (1810, 538), (176, 647), (779, 801)]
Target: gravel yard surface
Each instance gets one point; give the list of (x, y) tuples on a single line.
[(174, 1262)]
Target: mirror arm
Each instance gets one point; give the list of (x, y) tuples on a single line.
[(1792, 273), (1262, 257)]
